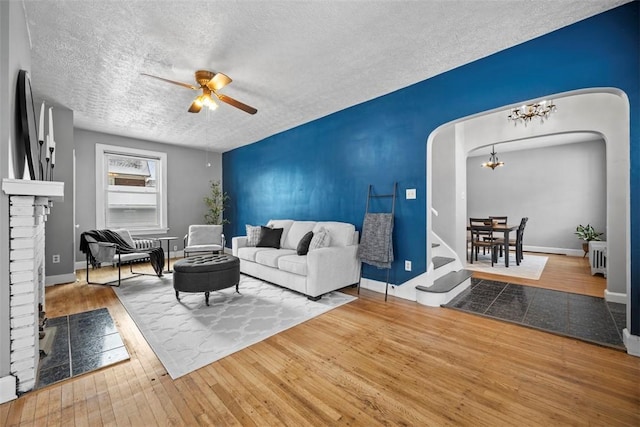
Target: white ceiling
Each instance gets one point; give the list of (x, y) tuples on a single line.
[(295, 61)]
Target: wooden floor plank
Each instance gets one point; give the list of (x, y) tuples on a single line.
[(369, 362)]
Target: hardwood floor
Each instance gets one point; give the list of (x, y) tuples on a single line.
[(365, 363)]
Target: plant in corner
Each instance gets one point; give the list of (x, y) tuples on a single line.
[(587, 233), (216, 203)]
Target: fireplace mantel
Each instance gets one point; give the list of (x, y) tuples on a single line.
[(52, 189)]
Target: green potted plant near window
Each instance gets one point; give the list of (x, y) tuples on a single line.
[(216, 202), (587, 233)]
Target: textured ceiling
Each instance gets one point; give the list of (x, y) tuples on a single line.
[(294, 61)]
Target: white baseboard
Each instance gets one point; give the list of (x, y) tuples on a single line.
[(560, 251), (632, 342), (615, 297), (59, 279), (404, 292), (7, 389)]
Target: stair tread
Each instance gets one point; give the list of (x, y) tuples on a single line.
[(435, 245), (439, 261), (447, 282)]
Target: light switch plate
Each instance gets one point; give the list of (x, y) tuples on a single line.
[(411, 193), (407, 265)]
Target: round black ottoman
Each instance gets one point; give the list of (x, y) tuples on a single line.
[(206, 273)]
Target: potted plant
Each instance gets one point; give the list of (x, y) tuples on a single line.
[(587, 233), (216, 202)]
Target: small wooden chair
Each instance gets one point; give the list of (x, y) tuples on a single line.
[(482, 237), (517, 242)]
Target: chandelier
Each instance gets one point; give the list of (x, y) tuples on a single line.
[(529, 111), (493, 160)]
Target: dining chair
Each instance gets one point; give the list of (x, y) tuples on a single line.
[(502, 220), (478, 222), (478, 235), (517, 242)]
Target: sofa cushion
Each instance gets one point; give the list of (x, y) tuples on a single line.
[(295, 264), (303, 244), (296, 232), (270, 257), (285, 224), (321, 238), (253, 234), (249, 253), (269, 237), (341, 233)]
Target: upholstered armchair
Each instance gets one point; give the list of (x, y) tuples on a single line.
[(204, 239)]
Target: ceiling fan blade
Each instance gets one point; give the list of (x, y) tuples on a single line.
[(196, 106), (219, 81), (187, 85), (236, 103)]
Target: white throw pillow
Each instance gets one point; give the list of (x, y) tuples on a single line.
[(321, 239), (253, 234)]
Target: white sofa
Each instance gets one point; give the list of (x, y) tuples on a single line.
[(322, 270)]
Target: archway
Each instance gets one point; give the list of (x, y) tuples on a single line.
[(604, 111)]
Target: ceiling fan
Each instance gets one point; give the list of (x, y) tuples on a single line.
[(210, 82)]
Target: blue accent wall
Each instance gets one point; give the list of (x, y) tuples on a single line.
[(321, 170)]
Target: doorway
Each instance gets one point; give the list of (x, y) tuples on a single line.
[(578, 111)]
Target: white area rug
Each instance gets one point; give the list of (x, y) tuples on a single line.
[(187, 335), (530, 267)]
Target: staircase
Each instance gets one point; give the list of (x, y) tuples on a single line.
[(448, 277)]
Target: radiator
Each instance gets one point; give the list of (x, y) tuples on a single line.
[(598, 257)]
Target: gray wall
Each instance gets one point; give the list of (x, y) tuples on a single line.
[(59, 226), (14, 55), (187, 173), (557, 187)]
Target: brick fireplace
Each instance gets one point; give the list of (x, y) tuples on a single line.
[(29, 205)]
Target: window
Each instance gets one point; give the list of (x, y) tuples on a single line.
[(131, 189)]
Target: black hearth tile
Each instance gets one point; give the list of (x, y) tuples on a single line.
[(493, 284), (95, 345), (475, 281), (524, 291), (617, 308), (487, 290), (472, 306), (57, 321), (88, 314), (508, 307), (546, 318), (551, 296), (100, 360), (605, 333), (58, 353), (91, 327), (53, 374), (589, 313)]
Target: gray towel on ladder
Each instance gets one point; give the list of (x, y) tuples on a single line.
[(376, 246)]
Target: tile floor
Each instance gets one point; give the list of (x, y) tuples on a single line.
[(81, 343), (579, 316)]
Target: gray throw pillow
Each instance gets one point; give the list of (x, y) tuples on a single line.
[(253, 234), (320, 240), (270, 237), (303, 244)]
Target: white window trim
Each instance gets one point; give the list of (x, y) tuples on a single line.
[(161, 175)]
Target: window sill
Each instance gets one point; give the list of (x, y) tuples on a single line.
[(147, 231)]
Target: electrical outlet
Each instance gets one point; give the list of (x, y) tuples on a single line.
[(56, 258), (175, 248), (410, 193), (407, 265)]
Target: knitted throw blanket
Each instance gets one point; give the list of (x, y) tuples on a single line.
[(376, 246), (156, 255)]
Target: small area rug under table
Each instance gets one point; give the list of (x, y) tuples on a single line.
[(531, 266), (187, 334)]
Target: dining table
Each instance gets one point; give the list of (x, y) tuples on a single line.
[(505, 229)]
